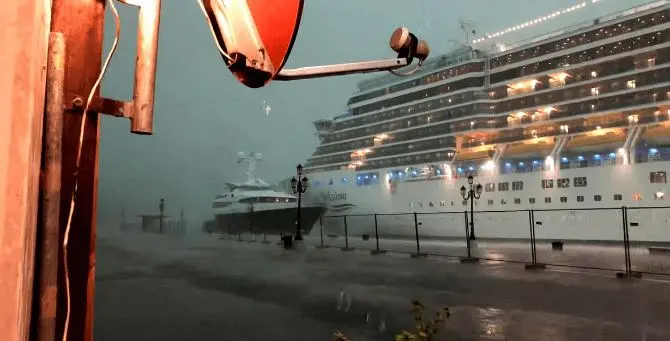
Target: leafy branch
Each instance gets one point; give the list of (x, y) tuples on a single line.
[(424, 331)]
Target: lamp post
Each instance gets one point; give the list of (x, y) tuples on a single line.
[(475, 192), (161, 207), (299, 187)]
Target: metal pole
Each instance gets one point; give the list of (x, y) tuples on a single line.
[(162, 210), (83, 67), (141, 120), (321, 229), (531, 225), (416, 233), (346, 233), (298, 235), (376, 233), (50, 242), (472, 214), (467, 236), (626, 242)]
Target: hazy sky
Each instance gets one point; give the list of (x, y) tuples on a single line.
[(203, 116)]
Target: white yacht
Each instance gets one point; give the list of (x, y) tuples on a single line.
[(256, 206)]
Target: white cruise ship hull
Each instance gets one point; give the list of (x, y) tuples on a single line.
[(504, 215)]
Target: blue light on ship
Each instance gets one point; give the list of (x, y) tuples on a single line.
[(507, 164), (460, 170), (564, 159), (580, 158), (612, 155), (653, 151), (535, 162), (521, 164), (597, 156), (471, 168)]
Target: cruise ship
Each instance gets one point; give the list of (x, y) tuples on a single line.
[(574, 119), (257, 207)]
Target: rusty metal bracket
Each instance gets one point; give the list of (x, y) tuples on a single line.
[(100, 105)]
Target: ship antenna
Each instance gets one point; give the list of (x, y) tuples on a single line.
[(468, 29)]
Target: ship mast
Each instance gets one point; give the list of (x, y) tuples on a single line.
[(251, 159)]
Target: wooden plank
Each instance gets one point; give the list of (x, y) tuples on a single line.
[(24, 36)]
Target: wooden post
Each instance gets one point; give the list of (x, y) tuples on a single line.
[(82, 24), (23, 56)]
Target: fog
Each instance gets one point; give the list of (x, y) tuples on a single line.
[(203, 116)]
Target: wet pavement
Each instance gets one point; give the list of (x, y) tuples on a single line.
[(610, 257), (152, 287)]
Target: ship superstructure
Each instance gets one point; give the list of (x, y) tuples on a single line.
[(576, 118)]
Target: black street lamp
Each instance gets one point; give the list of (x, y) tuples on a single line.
[(475, 192), (299, 187)]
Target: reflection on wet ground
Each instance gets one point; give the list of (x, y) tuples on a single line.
[(202, 288)]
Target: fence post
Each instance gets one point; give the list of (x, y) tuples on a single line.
[(416, 236), (346, 236), (626, 246), (533, 265), (321, 229), (265, 238), (470, 259), (376, 251)]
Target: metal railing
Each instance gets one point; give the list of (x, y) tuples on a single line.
[(627, 240)]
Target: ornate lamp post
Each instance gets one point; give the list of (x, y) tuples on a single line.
[(475, 192), (299, 187)]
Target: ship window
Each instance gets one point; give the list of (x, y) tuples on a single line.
[(580, 198), (465, 202), (490, 201), (221, 204), (564, 199), (503, 186), (637, 196), (490, 187), (345, 180), (659, 195), (618, 197), (630, 84), (580, 181), (547, 200), (597, 197), (366, 179), (548, 183), (563, 183), (517, 185), (430, 204), (658, 177), (531, 201), (517, 201), (443, 203), (503, 201), (411, 204)]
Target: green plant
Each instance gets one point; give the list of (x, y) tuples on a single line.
[(425, 331)]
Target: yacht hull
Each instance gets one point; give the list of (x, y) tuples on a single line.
[(273, 222)]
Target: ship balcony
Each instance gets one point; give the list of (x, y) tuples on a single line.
[(596, 140), (578, 40)]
